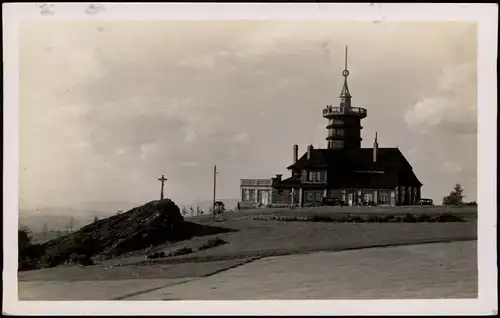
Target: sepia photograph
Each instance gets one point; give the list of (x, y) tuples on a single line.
[(251, 157)]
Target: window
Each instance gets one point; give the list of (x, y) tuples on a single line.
[(337, 144), (251, 195), (319, 176), (315, 176), (338, 132), (384, 198), (311, 176), (246, 195)]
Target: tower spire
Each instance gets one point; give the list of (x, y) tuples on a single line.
[(345, 68), (345, 96), (344, 122)]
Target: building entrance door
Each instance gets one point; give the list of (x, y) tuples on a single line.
[(350, 199)]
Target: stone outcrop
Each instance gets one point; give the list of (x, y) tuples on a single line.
[(152, 224)]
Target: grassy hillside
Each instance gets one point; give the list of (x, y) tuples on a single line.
[(260, 238)]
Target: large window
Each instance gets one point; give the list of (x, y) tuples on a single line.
[(246, 195), (252, 195)]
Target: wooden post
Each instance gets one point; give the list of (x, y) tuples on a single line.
[(215, 185)]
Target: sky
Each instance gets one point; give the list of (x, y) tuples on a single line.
[(107, 107)]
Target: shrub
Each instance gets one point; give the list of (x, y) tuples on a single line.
[(156, 255), (392, 218), (383, 219), (212, 243), (423, 218), (448, 218), (357, 219), (473, 203), (321, 218), (33, 251), (342, 219), (410, 218), (80, 259), (182, 251)]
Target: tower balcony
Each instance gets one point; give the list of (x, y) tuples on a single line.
[(355, 138), (331, 111)]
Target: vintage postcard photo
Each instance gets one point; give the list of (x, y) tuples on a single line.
[(310, 158)]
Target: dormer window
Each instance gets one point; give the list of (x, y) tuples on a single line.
[(311, 176), (315, 176)]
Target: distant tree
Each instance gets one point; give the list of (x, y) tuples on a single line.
[(191, 210), (24, 237), (96, 219), (455, 197), (184, 211), (45, 229), (71, 224), (198, 211)]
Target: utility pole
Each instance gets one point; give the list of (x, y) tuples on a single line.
[(162, 179), (215, 185)]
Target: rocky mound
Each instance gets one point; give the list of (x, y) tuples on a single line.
[(152, 224)]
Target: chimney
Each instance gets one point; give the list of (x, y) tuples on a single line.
[(295, 153), (375, 148), (309, 150), (278, 177)]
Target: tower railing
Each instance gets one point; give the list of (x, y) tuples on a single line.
[(332, 111)]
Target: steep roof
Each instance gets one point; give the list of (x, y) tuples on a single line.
[(352, 159), (387, 180), (354, 168)]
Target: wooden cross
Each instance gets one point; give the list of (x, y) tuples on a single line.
[(162, 179)]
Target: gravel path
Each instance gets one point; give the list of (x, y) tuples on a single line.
[(445, 270)]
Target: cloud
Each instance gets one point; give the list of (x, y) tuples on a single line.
[(241, 137), (452, 108), (452, 167), (190, 164)]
